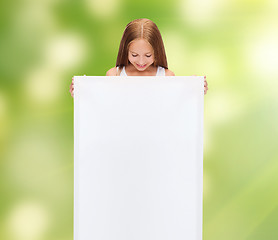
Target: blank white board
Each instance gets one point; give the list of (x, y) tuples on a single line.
[(138, 158)]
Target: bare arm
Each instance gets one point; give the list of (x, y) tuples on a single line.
[(169, 73), (112, 72)]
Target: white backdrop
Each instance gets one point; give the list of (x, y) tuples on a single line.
[(138, 158)]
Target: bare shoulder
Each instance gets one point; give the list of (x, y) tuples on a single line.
[(169, 73), (112, 72)]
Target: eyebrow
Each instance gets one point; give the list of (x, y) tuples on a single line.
[(145, 53)]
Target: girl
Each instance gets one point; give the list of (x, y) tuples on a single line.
[(141, 53)]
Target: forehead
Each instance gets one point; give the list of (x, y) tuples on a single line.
[(140, 46)]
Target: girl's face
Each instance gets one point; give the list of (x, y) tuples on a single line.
[(141, 54)]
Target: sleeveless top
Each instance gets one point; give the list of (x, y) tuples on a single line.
[(160, 71)]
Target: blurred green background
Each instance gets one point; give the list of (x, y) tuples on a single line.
[(44, 43)]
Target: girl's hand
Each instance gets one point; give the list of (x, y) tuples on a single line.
[(72, 88), (205, 85)]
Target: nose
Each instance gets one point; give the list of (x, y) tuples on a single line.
[(141, 61)]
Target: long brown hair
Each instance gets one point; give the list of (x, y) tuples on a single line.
[(138, 29)]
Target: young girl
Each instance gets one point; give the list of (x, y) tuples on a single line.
[(141, 53)]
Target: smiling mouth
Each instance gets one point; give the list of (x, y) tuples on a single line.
[(141, 66)]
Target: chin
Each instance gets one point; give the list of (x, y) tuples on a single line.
[(140, 69)]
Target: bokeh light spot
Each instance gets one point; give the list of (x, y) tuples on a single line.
[(261, 49), (43, 86), (201, 13), (65, 51), (28, 220), (103, 9)]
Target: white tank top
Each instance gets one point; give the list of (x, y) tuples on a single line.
[(160, 71)]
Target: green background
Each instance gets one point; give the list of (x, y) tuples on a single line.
[(44, 43)]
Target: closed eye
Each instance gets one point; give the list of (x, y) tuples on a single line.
[(137, 55)]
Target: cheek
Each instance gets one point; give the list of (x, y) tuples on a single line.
[(131, 59), (150, 59)]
